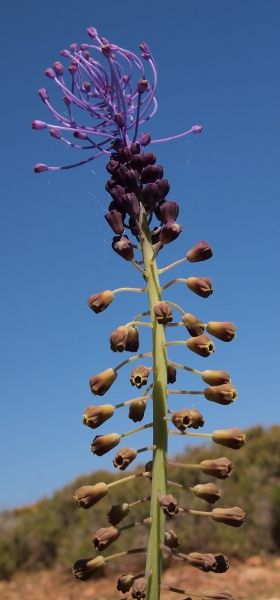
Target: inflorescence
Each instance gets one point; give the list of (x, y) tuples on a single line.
[(120, 104)]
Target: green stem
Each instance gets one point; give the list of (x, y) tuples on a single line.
[(160, 437)]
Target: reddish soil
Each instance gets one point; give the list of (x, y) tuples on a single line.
[(256, 579)]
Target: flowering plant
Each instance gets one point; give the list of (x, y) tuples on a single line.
[(119, 105)]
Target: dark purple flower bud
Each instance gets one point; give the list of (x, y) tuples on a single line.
[(72, 69), (144, 139), (118, 118), (117, 193), (170, 232), (168, 211), (171, 539), (39, 168), (150, 194), (43, 94), (114, 206), (202, 286), (38, 125), (142, 86), (117, 513), (55, 133), (131, 204), (124, 154), (163, 188), (134, 148), (92, 32), (149, 159), (133, 227), (137, 162), (119, 173), (152, 173), (80, 135), (111, 165), (58, 67), (132, 181), (197, 129), (171, 373), (201, 251), (123, 247), (65, 52), (87, 567), (74, 47), (66, 100), (106, 50), (124, 583), (155, 235), (145, 48), (117, 144), (83, 47), (115, 220), (87, 87), (49, 73), (110, 184)]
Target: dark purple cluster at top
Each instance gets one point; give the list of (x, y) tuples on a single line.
[(135, 177)]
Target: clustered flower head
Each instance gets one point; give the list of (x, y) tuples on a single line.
[(116, 89)]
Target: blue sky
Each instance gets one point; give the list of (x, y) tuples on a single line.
[(218, 65)]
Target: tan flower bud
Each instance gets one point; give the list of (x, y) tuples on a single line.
[(100, 384), (105, 536), (132, 340), (223, 331), (202, 345), (124, 583), (201, 251), (163, 313), (169, 505), (94, 416), (139, 588), (171, 373), (124, 457), (222, 563), (208, 492), (85, 568), (216, 377), (171, 539), (222, 394), (88, 495), (99, 302), (104, 443), (139, 376), (212, 595), (220, 468), (117, 513), (197, 418), (202, 286), (118, 339), (204, 562), (181, 419), (189, 321), (231, 438), (137, 410), (229, 516)]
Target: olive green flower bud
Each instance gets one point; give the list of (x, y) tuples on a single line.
[(171, 539), (221, 394), (202, 286), (212, 595), (100, 384), (139, 376), (216, 377), (223, 331), (222, 563), (208, 492), (137, 410), (204, 562), (201, 251), (124, 457), (117, 513), (99, 302), (171, 373), (132, 339), (139, 588), (197, 418), (229, 516), (202, 345), (220, 467), (181, 419), (189, 320), (118, 339), (231, 438), (169, 505), (105, 536), (163, 313), (88, 495), (124, 583), (94, 416), (85, 568), (104, 443)]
